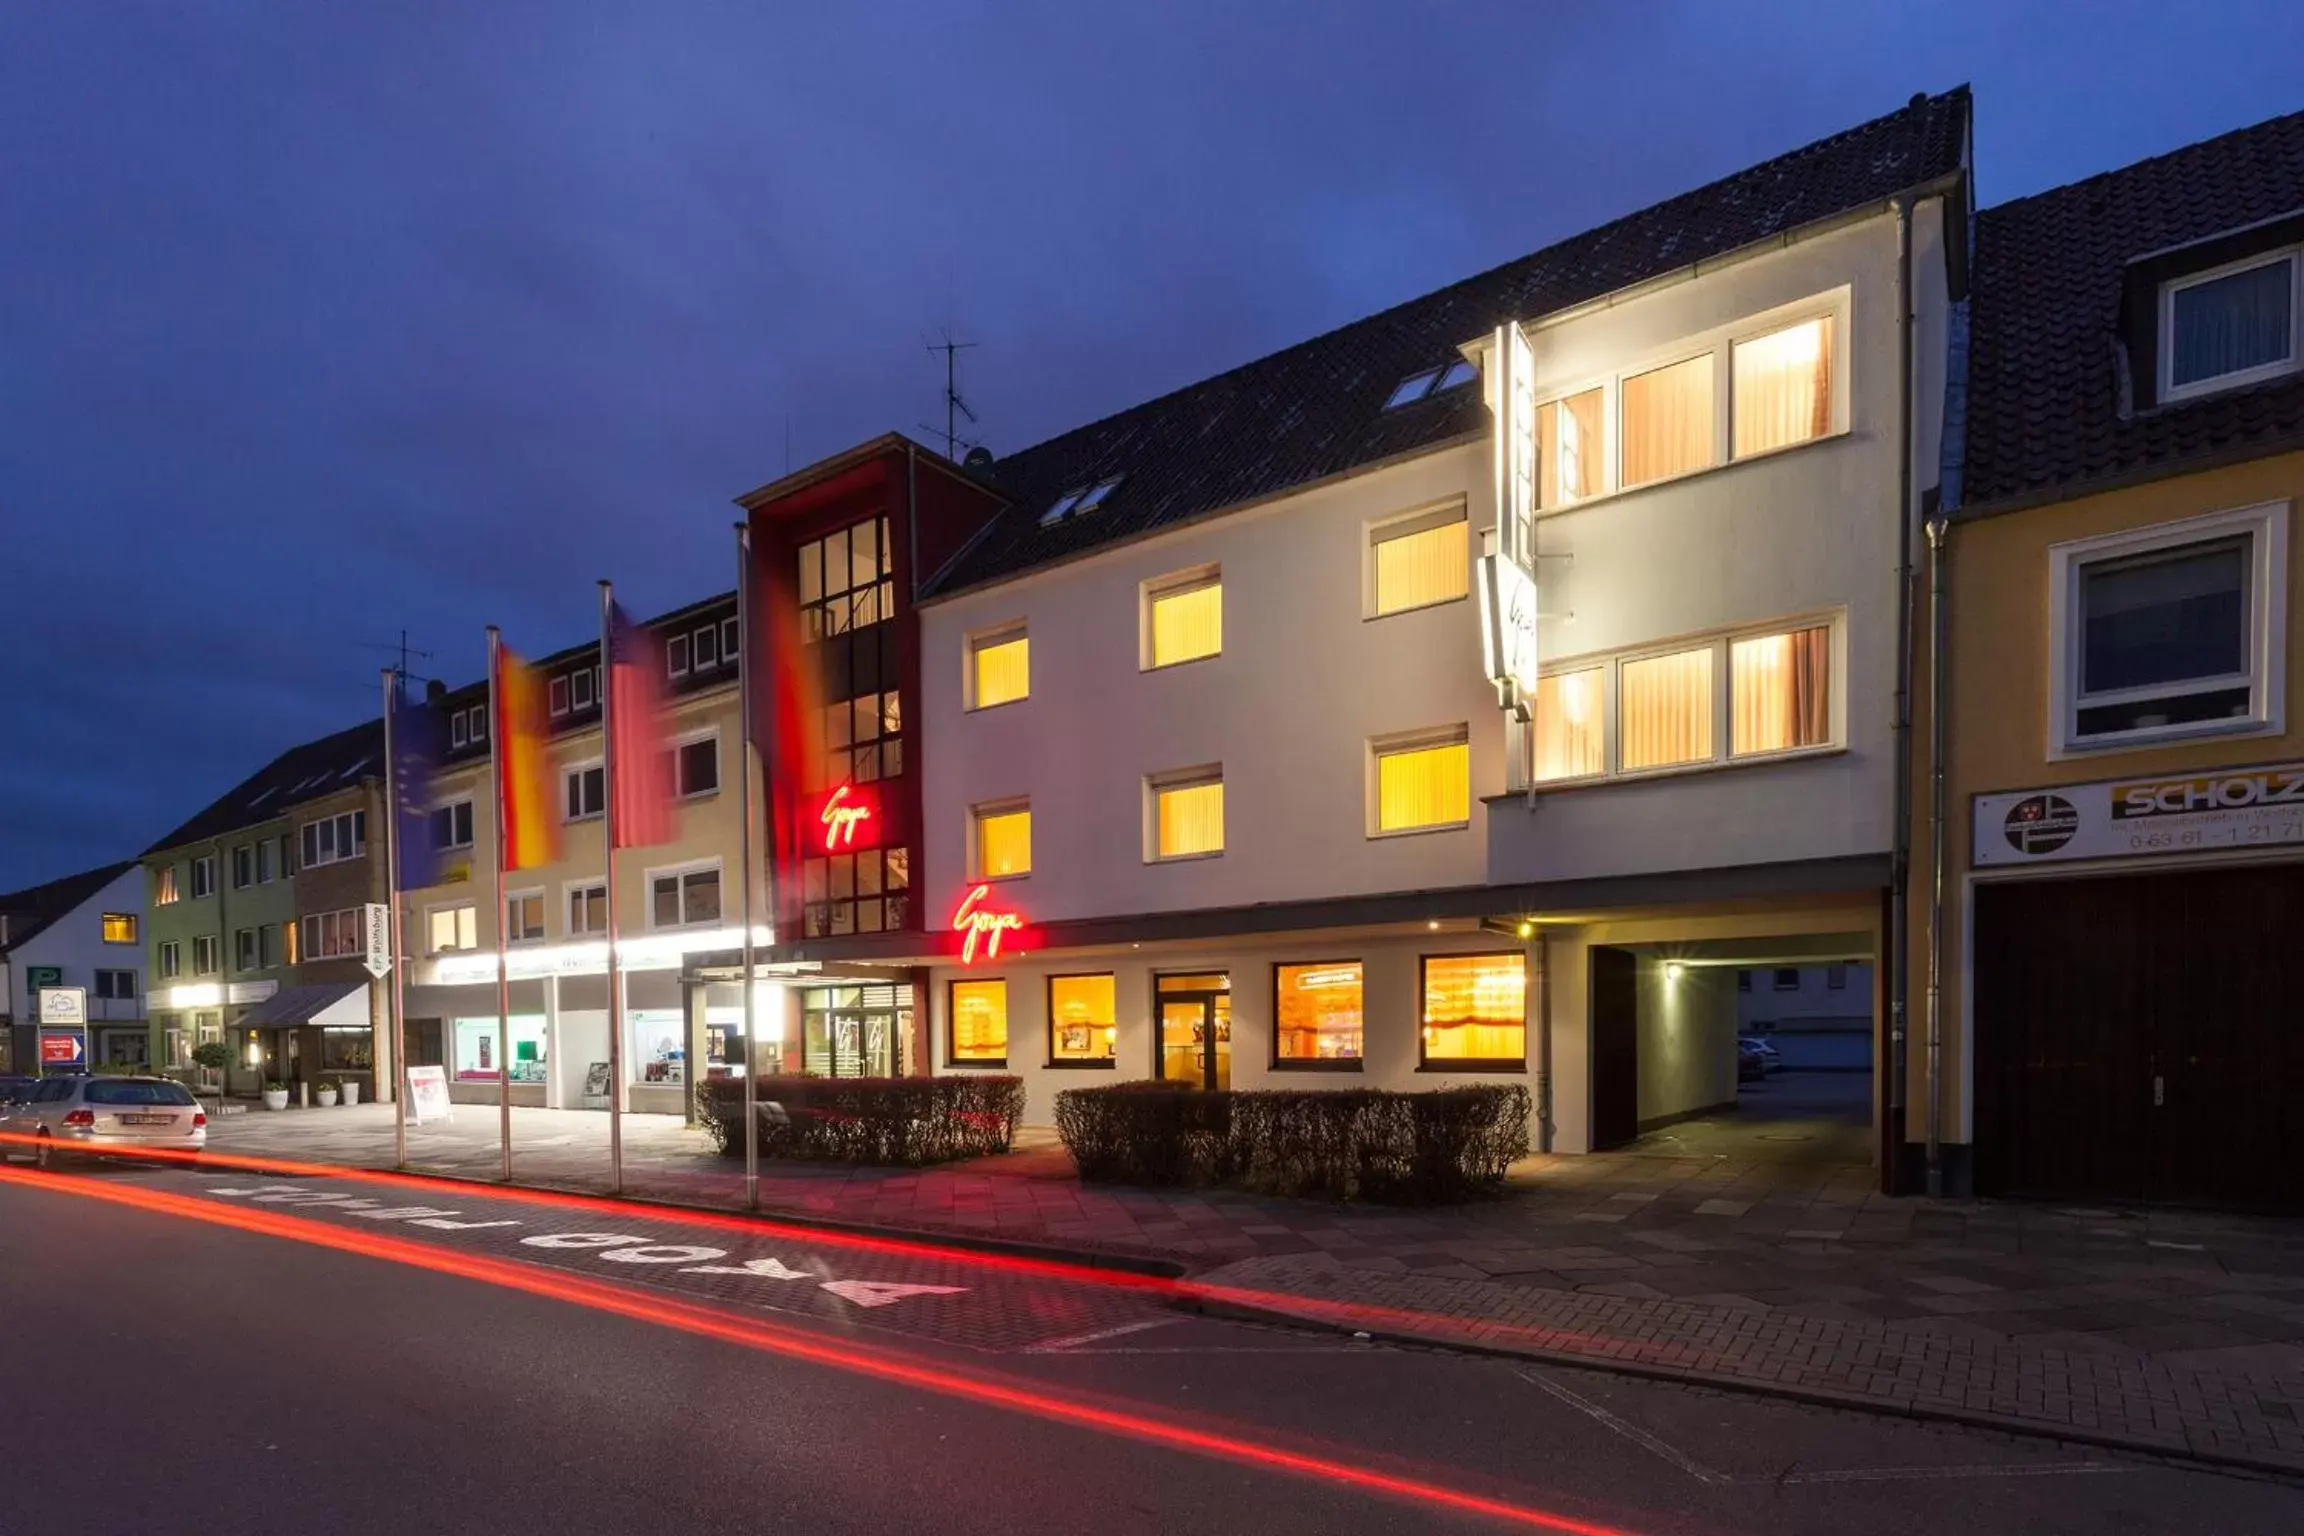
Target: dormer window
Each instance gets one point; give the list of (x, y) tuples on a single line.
[(1432, 381), (2231, 325), (1084, 499)]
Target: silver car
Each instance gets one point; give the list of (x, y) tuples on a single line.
[(72, 1117)]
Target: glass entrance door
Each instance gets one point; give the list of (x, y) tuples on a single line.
[(1195, 1016)]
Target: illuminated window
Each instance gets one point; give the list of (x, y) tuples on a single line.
[(1570, 724), (861, 892), (1000, 668), (1783, 387), (332, 935), (1664, 712), (1780, 695), (863, 740), (119, 927), (1667, 426), (1188, 815), (1424, 783), (1082, 1020), (1475, 1011), (847, 580), (1572, 457), (1003, 841), (979, 1015), (1185, 619), (1317, 1013), (447, 928), (165, 892), (1420, 561)]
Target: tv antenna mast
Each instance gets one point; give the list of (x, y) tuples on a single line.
[(404, 651), (954, 406)]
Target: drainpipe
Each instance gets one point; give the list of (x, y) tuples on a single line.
[(1544, 1128), (1900, 857), (1938, 732)]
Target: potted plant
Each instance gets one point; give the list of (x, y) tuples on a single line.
[(327, 1093), (351, 1091), (275, 1094)]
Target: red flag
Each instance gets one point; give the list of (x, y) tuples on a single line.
[(639, 727)]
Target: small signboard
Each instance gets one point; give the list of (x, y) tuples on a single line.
[(596, 1083), (2204, 812), (64, 1005), (379, 950), (428, 1095), (38, 976), (62, 1048)]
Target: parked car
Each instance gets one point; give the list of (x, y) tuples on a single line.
[(75, 1117), (1755, 1058), (15, 1090)]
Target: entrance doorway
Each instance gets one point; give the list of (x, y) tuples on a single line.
[(854, 1031), (1195, 1018)]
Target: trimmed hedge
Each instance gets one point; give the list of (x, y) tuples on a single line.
[(891, 1121), (1357, 1143)]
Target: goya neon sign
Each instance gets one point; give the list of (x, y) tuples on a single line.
[(975, 922), (841, 816)]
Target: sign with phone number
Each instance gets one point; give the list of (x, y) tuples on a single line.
[(2216, 811)]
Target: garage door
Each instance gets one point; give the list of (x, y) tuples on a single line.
[(2141, 1037)]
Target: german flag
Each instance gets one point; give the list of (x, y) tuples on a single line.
[(523, 768)]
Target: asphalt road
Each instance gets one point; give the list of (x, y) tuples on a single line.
[(361, 1357)]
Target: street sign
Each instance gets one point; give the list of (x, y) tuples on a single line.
[(379, 956), (427, 1095), (38, 976), (62, 1048), (63, 1005)]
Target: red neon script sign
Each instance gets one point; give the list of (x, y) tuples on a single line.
[(972, 919), (841, 818)]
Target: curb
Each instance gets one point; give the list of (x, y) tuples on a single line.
[(1821, 1397)]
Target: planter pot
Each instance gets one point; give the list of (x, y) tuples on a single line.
[(275, 1098), (327, 1099), (351, 1094)]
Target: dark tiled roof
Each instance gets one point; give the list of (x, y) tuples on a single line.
[(37, 907), (2046, 407), (301, 773), (1317, 409)]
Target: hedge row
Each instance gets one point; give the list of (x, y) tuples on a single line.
[(891, 1121), (1358, 1143)]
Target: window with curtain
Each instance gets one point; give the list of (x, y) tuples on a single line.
[(2241, 323), (1082, 1015), (1317, 1008), (1780, 692), (1424, 785), (1667, 427), (1571, 457), (1419, 566), (1475, 1010), (1187, 622), (1188, 817), (1569, 722), (1664, 709), (1003, 842), (979, 1023), (1782, 387), (1001, 668), (2165, 638)]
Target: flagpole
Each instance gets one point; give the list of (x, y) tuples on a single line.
[(392, 918), (608, 803), (503, 956), (744, 650)]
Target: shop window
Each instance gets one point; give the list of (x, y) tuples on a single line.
[(1475, 1015), (1187, 815), (481, 1056), (347, 1049), (1664, 710), (1419, 561), (1083, 1029), (119, 927), (1569, 725), (1317, 1010), (1424, 783), (1184, 618), (1782, 385), (1003, 841), (451, 928), (979, 1019), (1000, 667), (657, 1052), (1571, 452)]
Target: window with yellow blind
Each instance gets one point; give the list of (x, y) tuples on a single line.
[(1782, 387), (1187, 814), (1184, 619), (999, 668), (1667, 425), (1570, 725), (1664, 710), (1475, 1015), (1003, 840), (1083, 1028), (1423, 783), (1572, 453), (1316, 1009), (978, 1014), (1420, 561), (1780, 692)]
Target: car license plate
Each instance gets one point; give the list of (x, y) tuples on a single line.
[(147, 1119)]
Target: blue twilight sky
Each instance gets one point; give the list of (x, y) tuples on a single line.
[(322, 320)]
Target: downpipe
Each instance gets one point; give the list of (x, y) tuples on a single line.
[(1938, 735), (1907, 615)]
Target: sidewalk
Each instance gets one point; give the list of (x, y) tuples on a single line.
[(1749, 1251)]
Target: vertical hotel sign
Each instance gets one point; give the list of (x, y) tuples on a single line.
[(1508, 571)]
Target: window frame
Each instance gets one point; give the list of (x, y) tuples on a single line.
[(168, 959), (1058, 1063), (346, 839), (977, 813), (680, 872), (203, 882), (128, 920), (953, 1060), (681, 743), (433, 910), (2165, 388), (570, 773), (243, 866), (1198, 776), (1421, 740), (471, 816), (534, 893), (991, 638), (214, 966), (556, 692), (1154, 590), (106, 986), (574, 891), (1280, 1063), (2265, 525), (1500, 1066), (1403, 525)]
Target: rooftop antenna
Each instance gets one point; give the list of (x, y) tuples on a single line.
[(954, 406), (404, 651)]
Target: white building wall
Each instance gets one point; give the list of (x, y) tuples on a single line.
[(75, 942), (1687, 1045)]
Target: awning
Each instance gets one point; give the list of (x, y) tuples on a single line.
[(326, 1002)]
